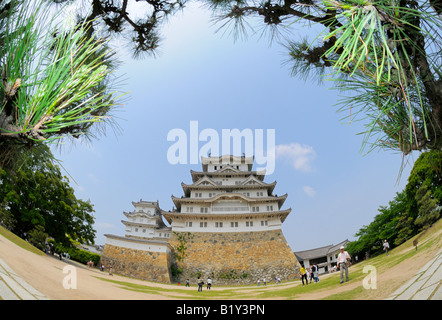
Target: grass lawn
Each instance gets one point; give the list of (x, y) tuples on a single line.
[(19, 241)]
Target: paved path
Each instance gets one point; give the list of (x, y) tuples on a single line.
[(13, 287), (425, 285)]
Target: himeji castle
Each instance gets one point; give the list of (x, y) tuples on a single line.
[(227, 197), (228, 220)]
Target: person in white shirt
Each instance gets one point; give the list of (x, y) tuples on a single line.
[(386, 247), (343, 257)]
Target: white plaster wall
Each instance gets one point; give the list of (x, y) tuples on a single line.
[(182, 226)]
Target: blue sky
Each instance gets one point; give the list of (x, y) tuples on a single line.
[(200, 75)]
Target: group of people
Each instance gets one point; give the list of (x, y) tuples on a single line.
[(64, 256), (312, 273), (200, 283), (110, 269), (264, 282), (342, 264), (90, 264)]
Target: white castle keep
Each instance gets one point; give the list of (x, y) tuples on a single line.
[(227, 197), (228, 212)]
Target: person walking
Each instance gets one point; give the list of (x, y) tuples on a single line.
[(187, 283), (343, 259), (200, 284), (303, 275), (209, 283), (315, 271), (386, 246)]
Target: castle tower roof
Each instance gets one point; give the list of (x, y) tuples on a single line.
[(227, 160), (229, 191)]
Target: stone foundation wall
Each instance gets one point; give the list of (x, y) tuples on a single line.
[(237, 258), (140, 264)]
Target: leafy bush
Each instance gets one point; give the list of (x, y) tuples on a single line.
[(77, 254)]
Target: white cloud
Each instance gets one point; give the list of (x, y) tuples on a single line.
[(309, 191), (299, 155)]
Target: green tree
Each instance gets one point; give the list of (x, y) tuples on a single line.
[(429, 211), (38, 195), (383, 227), (6, 218), (55, 79), (385, 55), (427, 171), (180, 250), (37, 237), (405, 228), (413, 209)]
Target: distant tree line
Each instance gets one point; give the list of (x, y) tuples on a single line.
[(414, 209)]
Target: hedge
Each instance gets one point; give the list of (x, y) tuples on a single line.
[(77, 254)]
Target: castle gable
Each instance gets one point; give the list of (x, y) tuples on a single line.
[(252, 180), (227, 169), (205, 181)]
